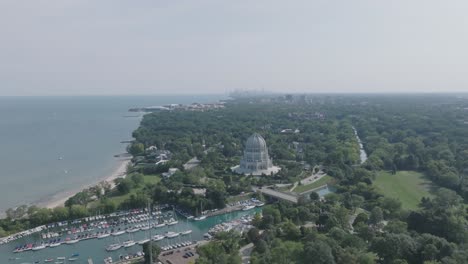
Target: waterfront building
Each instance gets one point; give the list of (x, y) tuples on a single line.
[(256, 160)]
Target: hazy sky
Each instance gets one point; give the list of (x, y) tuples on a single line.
[(50, 47)]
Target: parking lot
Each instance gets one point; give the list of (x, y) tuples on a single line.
[(177, 255)]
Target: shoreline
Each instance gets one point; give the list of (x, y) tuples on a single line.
[(59, 199)]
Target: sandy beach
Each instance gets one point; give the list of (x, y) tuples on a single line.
[(60, 198)]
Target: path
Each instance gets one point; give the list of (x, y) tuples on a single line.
[(245, 253), (309, 180), (277, 194), (191, 163)]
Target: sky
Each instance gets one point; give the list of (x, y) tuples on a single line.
[(84, 47)]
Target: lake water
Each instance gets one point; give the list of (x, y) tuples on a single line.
[(85, 131)]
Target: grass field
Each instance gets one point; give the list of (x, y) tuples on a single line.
[(118, 199), (407, 186), (322, 181)]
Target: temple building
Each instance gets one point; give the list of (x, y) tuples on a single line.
[(256, 160)]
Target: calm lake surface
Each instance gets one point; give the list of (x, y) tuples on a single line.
[(85, 131)]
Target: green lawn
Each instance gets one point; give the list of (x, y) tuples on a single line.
[(118, 199), (153, 179), (322, 181), (407, 186), (237, 198)]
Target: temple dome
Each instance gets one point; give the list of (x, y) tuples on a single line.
[(256, 143), (256, 160)]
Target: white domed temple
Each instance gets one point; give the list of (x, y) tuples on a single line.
[(256, 160)]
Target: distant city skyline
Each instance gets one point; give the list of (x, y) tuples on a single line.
[(64, 47)]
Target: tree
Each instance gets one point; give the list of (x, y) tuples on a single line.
[(60, 213), (136, 149), (81, 198), (392, 247), (314, 196), (156, 250), (78, 211), (137, 178), (124, 186), (318, 252), (41, 216), (253, 235), (376, 216)]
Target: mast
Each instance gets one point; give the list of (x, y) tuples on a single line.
[(151, 239)]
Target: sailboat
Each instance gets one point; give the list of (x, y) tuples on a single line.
[(115, 246), (201, 216), (186, 232), (148, 225)]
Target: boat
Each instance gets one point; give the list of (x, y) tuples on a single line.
[(72, 241), (104, 235), (56, 243), (173, 222), (260, 204), (129, 243), (113, 247), (72, 259), (144, 241), (186, 232), (199, 218), (133, 230), (60, 258), (75, 255), (49, 260), (248, 207), (160, 225), (145, 228), (158, 237), (39, 247), (171, 234), (118, 233)]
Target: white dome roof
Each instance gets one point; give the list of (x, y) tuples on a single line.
[(255, 143)]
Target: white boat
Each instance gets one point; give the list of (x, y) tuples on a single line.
[(160, 225), (49, 260), (158, 237), (129, 243), (202, 217), (72, 259), (113, 247), (101, 236), (118, 233), (73, 241), (55, 244), (39, 247), (60, 258), (145, 228), (144, 241), (248, 207), (173, 223), (133, 230), (186, 232), (260, 204), (171, 234)]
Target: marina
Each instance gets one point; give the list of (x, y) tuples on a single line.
[(93, 238)]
